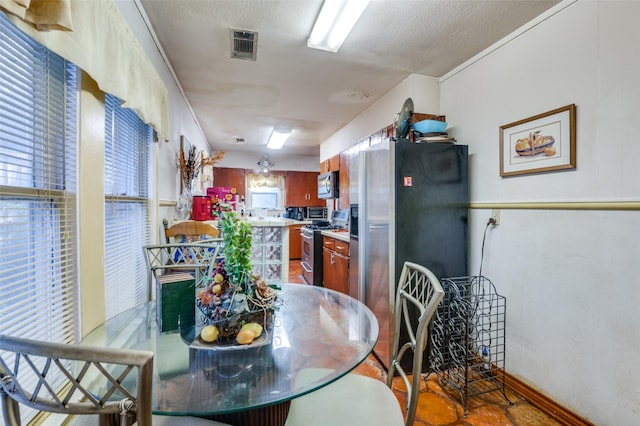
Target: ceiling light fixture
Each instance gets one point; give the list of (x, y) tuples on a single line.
[(264, 165), (334, 23), (278, 138)]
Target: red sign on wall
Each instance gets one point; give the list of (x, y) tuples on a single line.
[(408, 181)]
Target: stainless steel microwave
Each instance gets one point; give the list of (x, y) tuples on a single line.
[(328, 185)]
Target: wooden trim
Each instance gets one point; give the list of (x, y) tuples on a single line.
[(167, 203), (579, 205), (544, 403)]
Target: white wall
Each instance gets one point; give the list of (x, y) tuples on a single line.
[(423, 91), (568, 276)]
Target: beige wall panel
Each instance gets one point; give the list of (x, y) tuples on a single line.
[(91, 196)]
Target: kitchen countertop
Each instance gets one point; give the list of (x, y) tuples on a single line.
[(338, 235), (256, 221), (274, 221)]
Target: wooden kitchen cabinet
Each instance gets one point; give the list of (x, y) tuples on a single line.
[(302, 190), (335, 264), (330, 165), (324, 166), (343, 178), (295, 242), (229, 177)]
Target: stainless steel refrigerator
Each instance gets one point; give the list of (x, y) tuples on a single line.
[(413, 207)]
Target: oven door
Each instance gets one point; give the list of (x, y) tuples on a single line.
[(307, 256)]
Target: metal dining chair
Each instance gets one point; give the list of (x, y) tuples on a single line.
[(195, 258), (114, 384), (57, 378), (417, 298), (358, 400)]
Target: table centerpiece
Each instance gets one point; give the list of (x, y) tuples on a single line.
[(235, 302)]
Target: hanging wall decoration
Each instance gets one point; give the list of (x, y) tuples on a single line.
[(191, 162), (542, 143)]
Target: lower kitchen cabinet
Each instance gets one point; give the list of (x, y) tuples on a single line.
[(295, 242), (335, 264)]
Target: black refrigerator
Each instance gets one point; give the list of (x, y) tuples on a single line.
[(414, 207)]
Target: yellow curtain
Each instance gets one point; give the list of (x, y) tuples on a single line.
[(272, 180), (42, 14), (102, 44)]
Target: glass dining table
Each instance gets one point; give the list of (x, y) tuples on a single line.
[(313, 329)]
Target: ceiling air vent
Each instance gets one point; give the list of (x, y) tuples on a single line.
[(244, 44)]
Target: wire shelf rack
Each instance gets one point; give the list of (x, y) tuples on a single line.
[(468, 338)]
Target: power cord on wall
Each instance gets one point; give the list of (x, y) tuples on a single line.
[(491, 221)]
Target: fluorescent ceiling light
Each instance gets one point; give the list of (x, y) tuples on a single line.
[(278, 138), (334, 23)]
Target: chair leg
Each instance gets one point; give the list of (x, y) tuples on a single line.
[(11, 410)]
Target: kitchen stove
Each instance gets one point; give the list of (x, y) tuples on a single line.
[(313, 227), (312, 245)]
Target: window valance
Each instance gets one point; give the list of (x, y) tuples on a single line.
[(43, 14), (96, 38)]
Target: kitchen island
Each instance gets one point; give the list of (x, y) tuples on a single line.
[(270, 246)]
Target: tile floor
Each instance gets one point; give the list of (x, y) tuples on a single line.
[(438, 406)]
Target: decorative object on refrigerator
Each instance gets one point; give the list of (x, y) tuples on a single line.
[(404, 118), (430, 126)]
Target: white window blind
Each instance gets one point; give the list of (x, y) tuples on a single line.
[(38, 268), (38, 101), (127, 170)]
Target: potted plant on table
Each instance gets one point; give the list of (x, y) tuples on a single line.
[(236, 305)]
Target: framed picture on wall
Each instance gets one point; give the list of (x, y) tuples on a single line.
[(542, 143)]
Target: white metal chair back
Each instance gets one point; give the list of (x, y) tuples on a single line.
[(198, 257), (70, 379), (419, 292)]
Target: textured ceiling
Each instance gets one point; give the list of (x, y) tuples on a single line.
[(311, 91)]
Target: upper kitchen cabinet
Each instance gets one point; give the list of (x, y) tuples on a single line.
[(228, 177), (302, 190), (330, 165), (343, 200)]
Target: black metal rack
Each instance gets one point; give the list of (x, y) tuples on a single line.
[(468, 337)]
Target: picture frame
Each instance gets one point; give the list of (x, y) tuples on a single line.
[(542, 143)]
